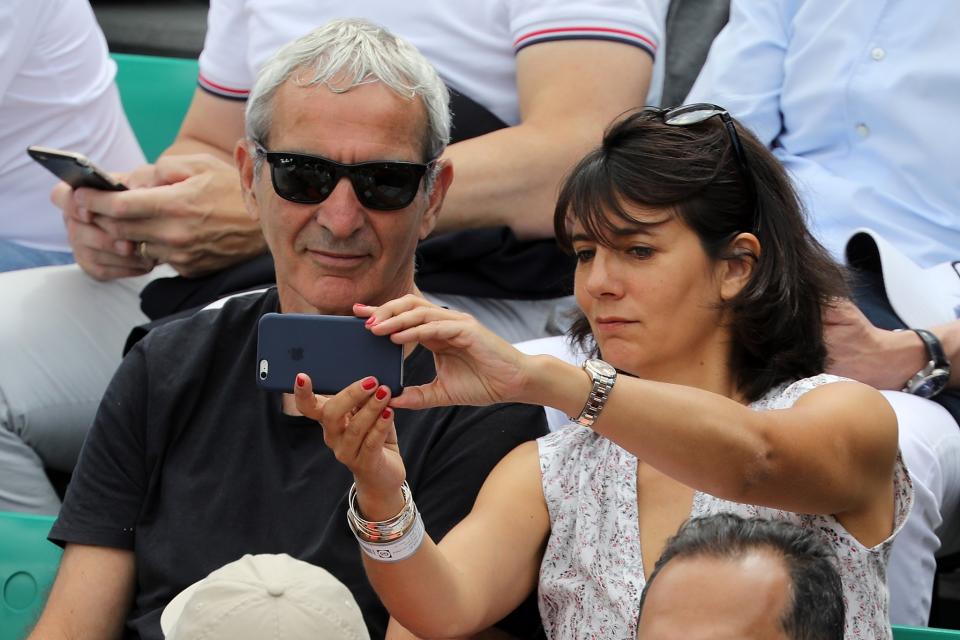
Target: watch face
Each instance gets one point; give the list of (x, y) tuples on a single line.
[(931, 386), (601, 368)]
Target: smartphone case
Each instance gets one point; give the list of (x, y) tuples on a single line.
[(335, 351), (73, 168)]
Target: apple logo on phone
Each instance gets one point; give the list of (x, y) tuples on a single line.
[(296, 353)]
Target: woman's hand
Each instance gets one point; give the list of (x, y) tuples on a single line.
[(474, 365), (358, 427)]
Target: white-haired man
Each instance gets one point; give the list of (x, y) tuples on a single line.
[(535, 83), (189, 464)]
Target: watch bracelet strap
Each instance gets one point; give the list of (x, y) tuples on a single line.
[(596, 400), (934, 347)]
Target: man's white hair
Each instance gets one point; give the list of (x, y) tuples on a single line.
[(346, 53)]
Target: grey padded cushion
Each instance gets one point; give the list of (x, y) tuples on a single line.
[(690, 29), (170, 28)]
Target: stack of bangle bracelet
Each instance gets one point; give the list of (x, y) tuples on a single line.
[(388, 540)]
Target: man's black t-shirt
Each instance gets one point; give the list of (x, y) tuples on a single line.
[(190, 464)]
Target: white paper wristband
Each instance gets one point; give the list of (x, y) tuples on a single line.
[(399, 549)]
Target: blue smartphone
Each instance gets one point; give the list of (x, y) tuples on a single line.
[(335, 351)]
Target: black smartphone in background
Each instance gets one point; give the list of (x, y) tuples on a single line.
[(335, 351), (74, 168)]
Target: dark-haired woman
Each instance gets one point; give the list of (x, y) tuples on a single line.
[(702, 291)]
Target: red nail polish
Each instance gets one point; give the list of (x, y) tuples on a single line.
[(381, 393), (386, 413), (301, 380), (369, 383)]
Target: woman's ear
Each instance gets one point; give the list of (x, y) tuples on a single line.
[(738, 264)]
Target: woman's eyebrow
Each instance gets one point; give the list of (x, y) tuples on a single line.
[(635, 228), (638, 228)]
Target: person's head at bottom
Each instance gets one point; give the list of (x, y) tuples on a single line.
[(723, 577), (265, 596)]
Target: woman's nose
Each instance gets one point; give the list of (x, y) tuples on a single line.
[(603, 277)]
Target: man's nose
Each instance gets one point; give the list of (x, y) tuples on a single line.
[(341, 213)]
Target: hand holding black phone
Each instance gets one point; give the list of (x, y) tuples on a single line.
[(75, 169), (335, 351)]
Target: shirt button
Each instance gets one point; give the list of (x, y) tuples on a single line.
[(878, 54), (863, 130)]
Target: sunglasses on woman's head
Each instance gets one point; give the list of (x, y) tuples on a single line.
[(306, 179), (690, 114)]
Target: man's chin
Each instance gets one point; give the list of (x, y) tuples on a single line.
[(326, 294)]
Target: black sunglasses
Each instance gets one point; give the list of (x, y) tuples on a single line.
[(690, 114), (306, 179)]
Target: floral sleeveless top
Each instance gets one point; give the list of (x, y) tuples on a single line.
[(592, 573)]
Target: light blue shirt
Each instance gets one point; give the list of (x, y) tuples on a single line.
[(860, 99)]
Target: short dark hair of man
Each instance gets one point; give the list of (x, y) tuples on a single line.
[(815, 610)]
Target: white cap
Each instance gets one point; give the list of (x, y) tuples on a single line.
[(265, 597), (921, 297)]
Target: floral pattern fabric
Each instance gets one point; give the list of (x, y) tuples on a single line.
[(592, 572)]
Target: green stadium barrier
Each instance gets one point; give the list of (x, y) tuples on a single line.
[(923, 633), (156, 92), (28, 565)]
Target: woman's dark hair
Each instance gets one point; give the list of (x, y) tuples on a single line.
[(775, 320)]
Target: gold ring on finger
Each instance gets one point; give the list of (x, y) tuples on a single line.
[(142, 250)]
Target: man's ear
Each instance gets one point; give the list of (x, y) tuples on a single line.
[(440, 185), (246, 161), (738, 265)]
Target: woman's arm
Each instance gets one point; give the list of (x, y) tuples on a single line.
[(484, 567), (831, 453)]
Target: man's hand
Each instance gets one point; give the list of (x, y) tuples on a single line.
[(187, 209), (99, 254), (857, 349)]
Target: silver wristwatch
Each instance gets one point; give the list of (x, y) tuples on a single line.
[(603, 376)]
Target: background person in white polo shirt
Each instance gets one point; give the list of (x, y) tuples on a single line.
[(56, 90)]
